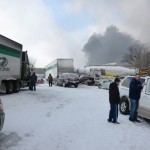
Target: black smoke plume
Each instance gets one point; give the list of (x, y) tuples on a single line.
[(107, 48)]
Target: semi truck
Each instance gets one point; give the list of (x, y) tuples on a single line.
[(107, 70), (15, 69), (59, 66)]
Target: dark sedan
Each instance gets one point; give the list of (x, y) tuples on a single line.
[(85, 79), (68, 79), (2, 115)]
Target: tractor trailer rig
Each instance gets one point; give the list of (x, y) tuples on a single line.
[(59, 66), (15, 69)]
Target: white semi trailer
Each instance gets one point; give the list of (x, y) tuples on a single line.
[(14, 66), (59, 66), (117, 70)]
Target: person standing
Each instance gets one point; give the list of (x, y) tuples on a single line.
[(114, 99), (33, 81), (134, 96), (50, 80)]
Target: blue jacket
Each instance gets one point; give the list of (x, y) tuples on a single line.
[(135, 89)]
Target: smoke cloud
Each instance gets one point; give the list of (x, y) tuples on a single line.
[(107, 48)]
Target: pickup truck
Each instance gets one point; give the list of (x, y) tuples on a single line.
[(144, 103)]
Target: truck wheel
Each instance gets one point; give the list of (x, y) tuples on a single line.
[(16, 87), (9, 87), (76, 85), (124, 106), (64, 84)]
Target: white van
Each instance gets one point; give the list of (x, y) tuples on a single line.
[(144, 103)]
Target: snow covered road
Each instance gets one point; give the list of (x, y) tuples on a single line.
[(57, 118)]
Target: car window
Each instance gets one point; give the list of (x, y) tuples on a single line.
[(127, 81), (73, 75), (148, 87)]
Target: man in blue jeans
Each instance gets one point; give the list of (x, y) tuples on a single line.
[(114, 99), (134, 95)]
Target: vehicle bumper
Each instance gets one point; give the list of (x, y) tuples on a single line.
[(72, 82), (2, 118)]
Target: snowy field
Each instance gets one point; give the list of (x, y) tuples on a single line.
[(57, 118)]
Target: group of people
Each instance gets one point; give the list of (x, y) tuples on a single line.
[(114, 96), (135, 88), (33, 81)]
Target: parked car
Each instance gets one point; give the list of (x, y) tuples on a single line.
[(2, 115), (40, 81), (85, 79), (67, 79), (144, 105), (104, 83)]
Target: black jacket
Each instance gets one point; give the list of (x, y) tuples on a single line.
[(135, 89), (114, 95), (33, 78)]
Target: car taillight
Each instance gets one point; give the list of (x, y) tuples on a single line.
[(1, 107)]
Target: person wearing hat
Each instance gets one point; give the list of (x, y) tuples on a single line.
[(114, 100)]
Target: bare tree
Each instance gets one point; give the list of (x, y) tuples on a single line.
[(137, 56)]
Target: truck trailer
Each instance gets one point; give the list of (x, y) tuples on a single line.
[(59, 66), (14, 66)]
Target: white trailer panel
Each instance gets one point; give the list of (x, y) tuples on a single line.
[(59, 66), (10, 65)]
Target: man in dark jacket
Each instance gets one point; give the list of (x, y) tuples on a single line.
[(134, 95), (114, 99), (33, 80), (50, 80)]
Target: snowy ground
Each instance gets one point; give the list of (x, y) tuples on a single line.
[(57, 118)]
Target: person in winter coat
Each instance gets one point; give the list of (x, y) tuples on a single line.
[(134, 95), (33, 80), (114, 100), (50, 80)]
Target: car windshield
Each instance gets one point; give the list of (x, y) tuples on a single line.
[(73, 75)]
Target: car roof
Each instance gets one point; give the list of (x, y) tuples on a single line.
[(134, 76)]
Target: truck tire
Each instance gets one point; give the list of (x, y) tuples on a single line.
[(76, 85), (9, 87), (16, 87), (124, 106)]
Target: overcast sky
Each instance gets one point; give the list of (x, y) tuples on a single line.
[(51, 29)]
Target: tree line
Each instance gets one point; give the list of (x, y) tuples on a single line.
[(137, 56)]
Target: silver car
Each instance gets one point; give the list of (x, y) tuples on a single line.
[(104, 83)]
